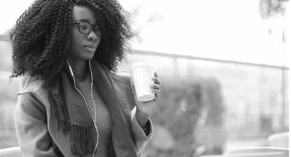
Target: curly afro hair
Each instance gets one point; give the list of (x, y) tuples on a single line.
[(41, 36)]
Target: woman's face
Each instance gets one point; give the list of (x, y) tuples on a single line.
[(84, 42)]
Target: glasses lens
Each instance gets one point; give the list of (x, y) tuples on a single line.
[(84, 27), (97, 30)]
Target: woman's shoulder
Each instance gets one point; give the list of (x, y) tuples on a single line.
[(31, 84), (32, 96), (35, 90)]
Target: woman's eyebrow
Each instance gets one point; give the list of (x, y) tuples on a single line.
[(86, 20)]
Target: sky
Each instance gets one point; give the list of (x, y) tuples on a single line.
[(220, 29)]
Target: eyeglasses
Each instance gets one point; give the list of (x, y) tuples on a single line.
[(86, 28)]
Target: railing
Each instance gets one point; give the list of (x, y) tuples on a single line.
[(176, 56), (4, 38)]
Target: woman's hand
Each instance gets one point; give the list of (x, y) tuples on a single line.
[(145, 109)]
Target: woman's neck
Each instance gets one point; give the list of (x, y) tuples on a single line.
[(80, 69)]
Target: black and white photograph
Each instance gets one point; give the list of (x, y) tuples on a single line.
[(145, 78)]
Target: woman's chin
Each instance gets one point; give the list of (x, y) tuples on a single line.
[(88, 55)]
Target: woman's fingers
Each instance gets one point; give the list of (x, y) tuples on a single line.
[(157, 94), (156, 80), (156, 90), (155, 86)]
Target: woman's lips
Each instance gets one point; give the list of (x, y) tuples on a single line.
[(90, 48)]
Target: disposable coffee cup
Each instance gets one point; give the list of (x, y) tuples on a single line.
[(142, 73)]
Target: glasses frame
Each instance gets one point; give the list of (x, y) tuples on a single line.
[(96, 28)]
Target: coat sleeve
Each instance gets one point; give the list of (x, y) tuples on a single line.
[(31, 127), (141, 138)]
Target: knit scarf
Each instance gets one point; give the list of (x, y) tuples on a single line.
[(74, 117)]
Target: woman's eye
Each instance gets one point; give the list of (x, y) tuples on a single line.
[(84, 27)]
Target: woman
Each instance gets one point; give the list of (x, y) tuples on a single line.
[(71, 103)]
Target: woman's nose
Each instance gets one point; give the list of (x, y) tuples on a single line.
[(94, 36)]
